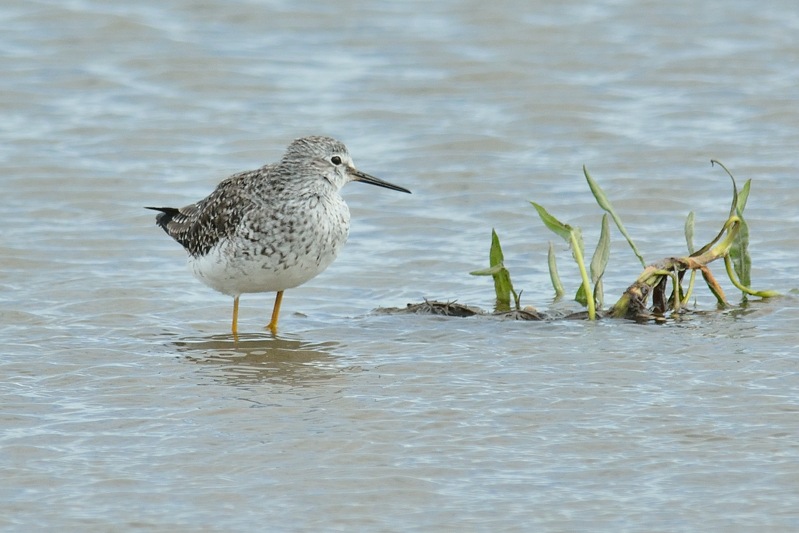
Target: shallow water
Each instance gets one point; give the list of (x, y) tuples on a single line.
[(126, 405)]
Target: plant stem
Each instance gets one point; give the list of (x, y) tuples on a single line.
[(690, 288), (589, 294), (734, 279)]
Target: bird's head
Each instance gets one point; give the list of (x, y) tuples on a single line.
[(330, 159)]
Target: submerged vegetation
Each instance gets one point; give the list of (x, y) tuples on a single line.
[(731, 245), (661, 282)]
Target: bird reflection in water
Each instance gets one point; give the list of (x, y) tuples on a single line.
[(257, 358)]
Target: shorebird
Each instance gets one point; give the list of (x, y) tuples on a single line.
[(273, 228)]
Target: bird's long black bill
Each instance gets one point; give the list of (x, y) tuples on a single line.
[(366, 178)]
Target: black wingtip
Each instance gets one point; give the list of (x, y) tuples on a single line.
[(165, 216)]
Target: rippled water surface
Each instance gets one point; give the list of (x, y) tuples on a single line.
[(124, 402)]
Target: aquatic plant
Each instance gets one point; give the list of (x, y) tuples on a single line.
[(731, 245), (496, 269)]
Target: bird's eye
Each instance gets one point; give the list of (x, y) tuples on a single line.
[(336, 160)]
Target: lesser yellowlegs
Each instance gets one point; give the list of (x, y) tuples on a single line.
[(270, 229)]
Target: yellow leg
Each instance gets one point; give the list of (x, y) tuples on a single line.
[(235, 327), (275, 313)]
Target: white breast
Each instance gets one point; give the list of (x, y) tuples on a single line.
[(269, 257)]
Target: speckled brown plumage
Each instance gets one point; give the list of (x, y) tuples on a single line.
[(201, 225)]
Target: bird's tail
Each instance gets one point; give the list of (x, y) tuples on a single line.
[(165, 216)]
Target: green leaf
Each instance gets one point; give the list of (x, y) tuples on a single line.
[(502, 285), (689, 232), (739, 251), (600, 260), (580, 297), (599, 294), (490, 271), (553, 272), (570, 234), (575, 239), (743, 196), (604, 203), (602, 253), (495, 256), (555, 225), (598, 264)]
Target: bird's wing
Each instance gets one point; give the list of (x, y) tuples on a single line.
[(199, 226)]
